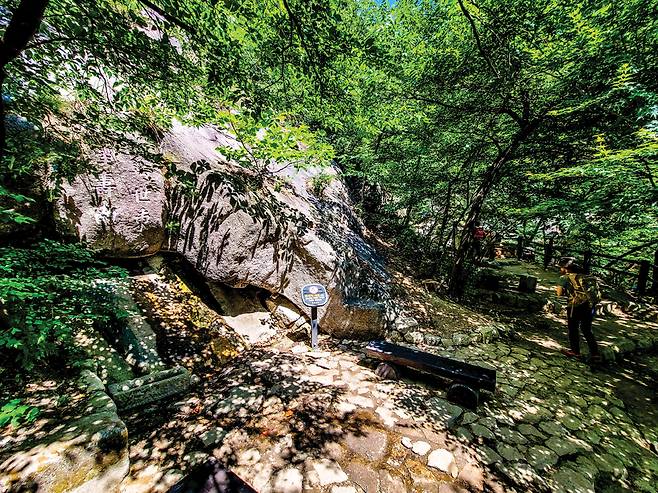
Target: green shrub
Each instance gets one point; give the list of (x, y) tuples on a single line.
[(47, 293), (320, 182), (16, 414)]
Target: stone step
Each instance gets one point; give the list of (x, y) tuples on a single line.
[(151, 388)]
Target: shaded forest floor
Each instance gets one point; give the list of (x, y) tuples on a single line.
[(281, 415)]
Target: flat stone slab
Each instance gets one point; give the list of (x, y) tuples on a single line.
[(151, 388), (482, 431), (443, 412), (541, 457), (365, 476), (137, 337), (240, 402), (562, 446), (289, 480), (329, 472), (370, 444)]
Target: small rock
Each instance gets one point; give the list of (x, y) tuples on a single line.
[(488, 422), (333, 450), (406, 441), (570, 422), (405, 324), (530, 431), (488, 456), (569, 480), (508, 452), (469, 418), (552, 428), (421, 448), (608, 463), (461, 339), (464, 434), (213, 436), (443, 412), (443, 460), (562, 446), (512, 436), (414, 337)]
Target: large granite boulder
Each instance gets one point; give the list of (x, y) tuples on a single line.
[(119, 209), (276, 231)]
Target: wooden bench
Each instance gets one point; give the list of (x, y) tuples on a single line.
[(467, 379)]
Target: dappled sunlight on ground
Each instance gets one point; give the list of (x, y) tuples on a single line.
[(322, 417), (59, 401)]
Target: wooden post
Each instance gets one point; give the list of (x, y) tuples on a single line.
[(654, 282), (587, 261), (548, 252), (643, 277), (519, 248)]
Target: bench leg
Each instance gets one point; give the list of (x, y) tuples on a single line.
[(387, 371), (463, 396)]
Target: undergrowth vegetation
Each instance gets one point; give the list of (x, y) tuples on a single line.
[(47, 293)]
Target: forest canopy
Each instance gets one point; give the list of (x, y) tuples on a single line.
[(528, 117)]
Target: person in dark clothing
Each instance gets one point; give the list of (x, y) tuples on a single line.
[(580, 309)]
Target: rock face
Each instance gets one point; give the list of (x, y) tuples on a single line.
[(119, 210), (234, 227)]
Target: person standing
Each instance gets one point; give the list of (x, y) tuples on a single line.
[(582, 294), (478, 238)]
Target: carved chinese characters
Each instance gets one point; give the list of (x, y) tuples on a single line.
[(119, 208)]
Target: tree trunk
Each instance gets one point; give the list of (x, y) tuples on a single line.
[(489, 180), (3, 123), (22, 27)]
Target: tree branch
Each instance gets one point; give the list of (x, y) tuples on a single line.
[(169, 17), (302, 39), (476, 35)]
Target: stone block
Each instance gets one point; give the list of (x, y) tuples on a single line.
[(527, 284), (151, 388), (136, 337)]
